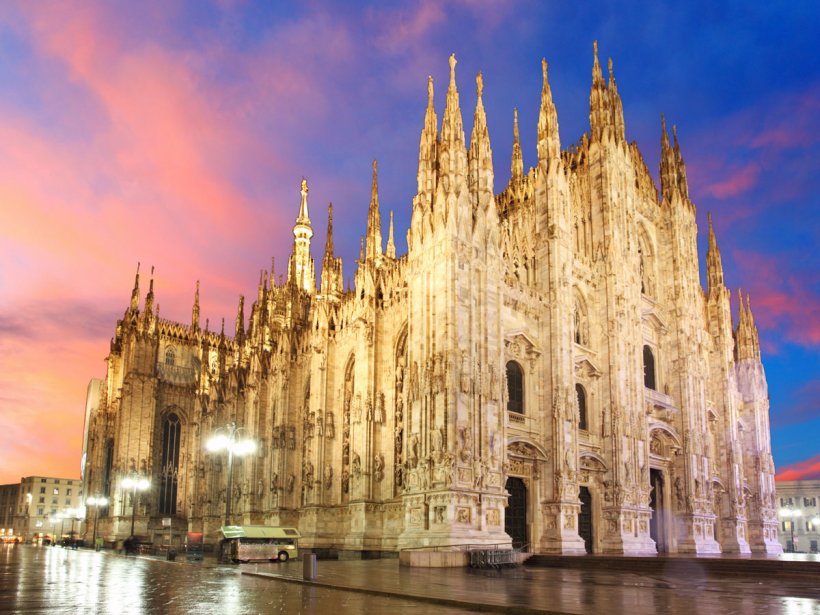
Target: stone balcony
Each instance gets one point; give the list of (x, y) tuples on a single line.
[(176, 374)]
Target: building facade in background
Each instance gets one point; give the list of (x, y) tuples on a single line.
[(41, 507), (542, 368), (799, 515)]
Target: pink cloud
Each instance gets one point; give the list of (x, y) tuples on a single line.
[(737, 182), (780, 302), (808, 469)]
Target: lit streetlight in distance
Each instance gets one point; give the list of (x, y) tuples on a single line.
[(791, 514), (226, 440), (96, 502), (135, 483)]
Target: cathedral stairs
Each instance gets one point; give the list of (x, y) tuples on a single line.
[(687, 565)]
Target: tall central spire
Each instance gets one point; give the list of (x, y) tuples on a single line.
[(374, 220), (599, 107), (300, 270)]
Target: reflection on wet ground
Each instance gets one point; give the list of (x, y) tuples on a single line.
[(56, 580)]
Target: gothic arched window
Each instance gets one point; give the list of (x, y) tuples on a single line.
[(170, 356), (649, 368), (515, 387), (108, 469), (171, 431), (581, 395)]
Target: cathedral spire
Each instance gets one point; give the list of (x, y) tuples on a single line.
[(149, 298), (195, 310), (517, 166), (683, 184), (669, 179), (617, 120), (746, 335), (135, 293), (374, 220), (428, 145), (480, 157), (549, 143), (452, 133), (391, 246), (329, 242), (300, 267), (714, 265), (331, 282), (599, 107), (240, 319)]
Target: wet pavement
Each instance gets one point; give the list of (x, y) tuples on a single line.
[(685, 587), (55, 580)]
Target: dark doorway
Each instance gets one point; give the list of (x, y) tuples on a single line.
[(515, 517), (585, 518), (657, 504)]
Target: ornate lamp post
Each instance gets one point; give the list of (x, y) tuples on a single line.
[(135, 483), (61, 516), (96, 502), (225, 439), (53, 519), (79, 515), (791, 514)]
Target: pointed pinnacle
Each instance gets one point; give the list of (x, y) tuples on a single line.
[(479, 84)]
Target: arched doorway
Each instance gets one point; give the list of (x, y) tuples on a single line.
[(515, 517), (656, 502), (585, 518)]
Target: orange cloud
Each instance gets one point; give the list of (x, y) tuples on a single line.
[(808, 469)]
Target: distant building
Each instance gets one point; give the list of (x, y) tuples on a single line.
[(41, 505), (543, 368), (799, 511), (8, 505)]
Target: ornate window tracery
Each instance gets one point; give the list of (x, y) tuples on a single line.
[(515, 387), (169, 468), (581, 397), (649, 369)]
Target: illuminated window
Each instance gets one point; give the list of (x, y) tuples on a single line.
[(56, 491)]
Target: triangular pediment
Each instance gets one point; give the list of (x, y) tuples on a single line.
[(519, 344), (585, 369), (653, 319)]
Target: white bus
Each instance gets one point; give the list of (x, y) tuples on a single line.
[(245, 543)]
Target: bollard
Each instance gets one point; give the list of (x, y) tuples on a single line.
[(309, 566), (172, 555)]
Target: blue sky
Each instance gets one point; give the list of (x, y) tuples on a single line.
[(176, 134)]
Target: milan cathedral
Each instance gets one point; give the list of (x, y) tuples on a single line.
[(542, 369)]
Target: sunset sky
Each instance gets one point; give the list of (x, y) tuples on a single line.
[(176, 134)]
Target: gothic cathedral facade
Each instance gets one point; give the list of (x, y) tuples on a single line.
[(541, 369)]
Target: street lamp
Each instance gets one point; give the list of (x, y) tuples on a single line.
[(226, 440), (79, 515), (54, 519), (28, 514), (791, 514), (135, 483), (96, 502), (61, 517)]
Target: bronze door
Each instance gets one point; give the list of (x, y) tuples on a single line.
[(515, 517), (585, 518)]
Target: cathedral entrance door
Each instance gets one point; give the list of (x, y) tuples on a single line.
[(585, 518), (656, 524), (515, 516)]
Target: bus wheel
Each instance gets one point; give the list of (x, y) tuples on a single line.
[(283, 556)]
